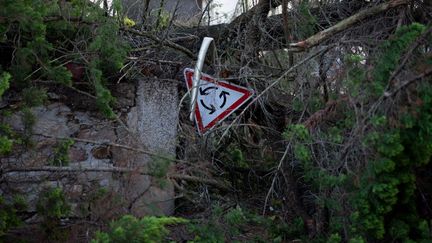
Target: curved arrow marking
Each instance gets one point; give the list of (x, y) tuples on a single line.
[(203, 91), (212, 109), (215, 100), (223, 94)]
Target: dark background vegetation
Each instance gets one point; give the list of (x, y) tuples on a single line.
[(335, 146)]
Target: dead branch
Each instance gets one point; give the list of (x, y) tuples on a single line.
[(285, 74), (324, 114), (260, 8), (426, 73), (345, 24), (226, 35), (120, 169), (207, 181), (156, 39), (108, 143), (55, 169)]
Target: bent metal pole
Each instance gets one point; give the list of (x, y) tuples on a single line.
[(197, 74)]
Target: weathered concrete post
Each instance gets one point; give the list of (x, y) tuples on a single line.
[(154, 118)]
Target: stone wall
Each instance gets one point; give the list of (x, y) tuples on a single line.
[(148, 109)]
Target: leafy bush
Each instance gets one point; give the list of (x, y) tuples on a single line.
[(158, 168), (130, 229), (389, 184), (380, 187), (8, 213), (61, 156), (5, 142), (52, 206), (5, 145), (44, 28), (4, 82), (231, 225)]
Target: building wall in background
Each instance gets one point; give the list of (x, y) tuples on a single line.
[(187, 12)]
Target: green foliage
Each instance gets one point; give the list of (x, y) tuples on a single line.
[(27, 18), (111, 54), (302, 153), (5, 142), (211, 230), (235, 219), (29, 120), (4, 82), (297, 104), (382, 193), (52, 206), (389, 183), (237, 157), (8, 213), (356, 74), (334, 238), (163, 19), (356, 240), (158, 168), (294, 229), (5, 145), (130, 229), (308, 21), (104, 99), (33, 96), (59, 74), (296, 131), (299, 136), (43, 47), (61, 156), (334, 134), (225, 226), (392, 51)]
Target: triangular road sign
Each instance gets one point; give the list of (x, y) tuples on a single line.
[(216, 99)]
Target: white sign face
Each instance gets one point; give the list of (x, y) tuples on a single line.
[(216, 100)]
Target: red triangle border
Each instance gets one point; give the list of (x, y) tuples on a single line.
[(247, 94)]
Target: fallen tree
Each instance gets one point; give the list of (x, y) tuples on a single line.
[(338, 134)]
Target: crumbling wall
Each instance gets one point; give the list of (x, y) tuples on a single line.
[(105, 155)]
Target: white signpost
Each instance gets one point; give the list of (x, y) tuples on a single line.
[(215, 99)]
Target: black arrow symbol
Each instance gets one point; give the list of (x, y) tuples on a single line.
[(203, 91), (212, 109), (224, 94)]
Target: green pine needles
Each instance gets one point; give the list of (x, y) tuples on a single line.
[(383, 192), (4, 82), (9, 213), (392, 52), (53, 34), (130, 229), (52, 206), (386, 202), (5, 142)]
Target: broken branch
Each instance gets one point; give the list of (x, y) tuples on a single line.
[(345, 24)]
